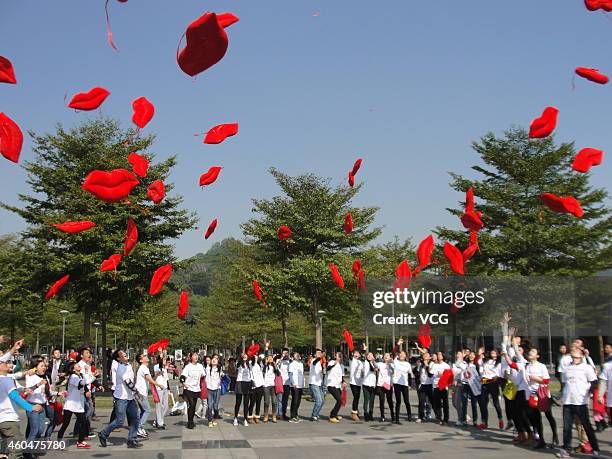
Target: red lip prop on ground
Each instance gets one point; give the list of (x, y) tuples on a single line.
[(89, 100), (110, 186), (74, 227), (11, 138)]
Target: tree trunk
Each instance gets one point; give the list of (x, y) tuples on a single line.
[(104, 359), (86, 326), (318, 328), (601, 352), (285, 334)]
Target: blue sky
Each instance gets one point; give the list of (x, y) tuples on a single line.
[(404, 84)]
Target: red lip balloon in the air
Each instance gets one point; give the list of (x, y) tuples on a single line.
[(425, 335), (131, 237), (110, 186), (402, 276), (587, 158), (89, 100), (210, 176), (207, 42), (219, 133), (140, 164), (593, 5), (56, 286), (455, 258), (143, 112), (160, 277), (545, 124), (156, 191), (284, 232), (593, 75), (11, 138), (74, 227), (562, 204), (336, 277), (424, 253), (348, 223), (356, 268), (211, 229), (7, 74), (183, 305), (348, 338), (111, 263), (257, 291)]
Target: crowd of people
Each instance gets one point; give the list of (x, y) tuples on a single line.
[(511, 378)]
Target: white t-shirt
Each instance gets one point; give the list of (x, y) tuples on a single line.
[(606, 375), (518, 376), (458, 368), (283, 367), (86, 372), (356, 371), (491, 369), (424, 378), (114, 366), (335, 374), (161, 375), (243, 372), (142, 386), (369, 375), (124, 374), (8, 411), (316, 374), (471, 377), (437, 369), (75, 399), (402, 370), (269, 375), (385, 373), (536, 369), (577, 379), (296, 374), (38, 394), (257, 374), (193, 373), (213, 378), (567, 360)]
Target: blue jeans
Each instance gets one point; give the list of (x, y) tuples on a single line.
[(36, 422), (317, 394), (213, 403), (124, 408), (279, 404), (145, 410), (51, 416)]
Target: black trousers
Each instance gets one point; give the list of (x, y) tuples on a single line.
[(519, 412), (491, 389), (440, 404), (192, 401), (335, 392), (356, 391), (535, 419), (369, 393), (285, 399), (401, 391), (582, 413), (296, 399), (240, 398), (382, 395), (80, 426), (255, 400), (425, 393)]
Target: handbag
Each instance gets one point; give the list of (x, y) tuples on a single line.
[(510, 390), (203, 388), (225, 383), (278, 384), (343, 397), (543, 398), (154, 392)]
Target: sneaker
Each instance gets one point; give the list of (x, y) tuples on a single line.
[(562, 453), (102, 440), (481, 426), (314, 419), (459, 424), (235, 421), (339, 418), (83, 445), (142, 433), (210, 424), (215, 423), (334, 420), (501, 424), (510, 425), (595, 453), (91, 435), (294, 420), (419, 420), (134, 444), (245, 423)]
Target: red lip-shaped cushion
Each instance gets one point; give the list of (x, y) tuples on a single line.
[(110, 186), (143, 112), (206, 45), (284, 232), (587, 158), (7, 73), (160, 276), (183, 305), (455, 258), (74, 227), (562, 204), (56, 286), (211, 229), (131, 237), (140, 164), (593, 75), (11, 138), (111, 263), (210, 176), (156, 191), (593, 5), (221, 132), (337, 278), (89, 100), (348, 223), (545, 124)]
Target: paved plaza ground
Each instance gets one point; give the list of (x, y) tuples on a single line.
[(318, 440)]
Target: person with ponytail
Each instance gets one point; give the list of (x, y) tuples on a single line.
[(38, 390), (296, 377), (424, 381), (355, 381), (160, 372), (335, 385), (74, 403), (538, 379), (402, 375), (190, 378), (491, 377), (214, 374), (244, 381), (257, 390), (270, 373), (370, 376)]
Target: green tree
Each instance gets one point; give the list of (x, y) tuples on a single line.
[(520, 235), (63, 160), (315, 211)]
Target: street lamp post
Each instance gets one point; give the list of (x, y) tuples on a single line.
[(64, 313), (97, 325)]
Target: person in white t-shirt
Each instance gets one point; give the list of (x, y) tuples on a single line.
[(355, 381), (335, 385), (257, 389), (214, 375), (383, 386), (605, 386), (244, 381), (424, 383), (125, 404), (491, 377), (402, 374), (39, 392), (270, 373), (296, 377), (440, 394), (191, 377), (160, 371), (315, 382), (579, 381), (538, 379), (143, 379), (74, 404), (283, 366), (370, 375)]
